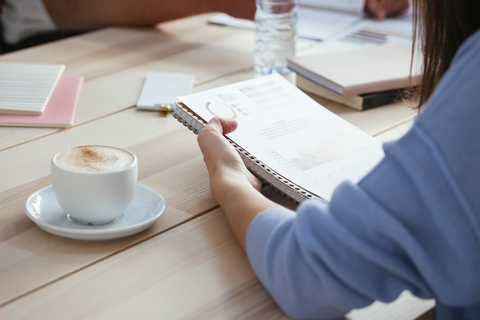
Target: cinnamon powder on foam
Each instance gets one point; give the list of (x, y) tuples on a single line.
[(90, 159), (94, 159)]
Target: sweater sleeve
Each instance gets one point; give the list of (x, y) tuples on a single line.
[(413, 223)]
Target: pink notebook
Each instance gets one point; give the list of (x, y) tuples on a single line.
[(60, 109)]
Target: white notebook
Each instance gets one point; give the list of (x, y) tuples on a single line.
[(163, 88), (25, 88)]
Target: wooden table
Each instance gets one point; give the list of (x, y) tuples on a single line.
[(188, 264)]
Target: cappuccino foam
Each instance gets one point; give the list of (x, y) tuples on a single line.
[(93, 159)]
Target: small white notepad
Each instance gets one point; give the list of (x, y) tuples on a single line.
[(25, 88), (164, 88)]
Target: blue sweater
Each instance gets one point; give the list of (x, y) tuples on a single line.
[(412, 223)]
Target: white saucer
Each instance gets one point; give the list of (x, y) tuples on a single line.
[(43, 209)]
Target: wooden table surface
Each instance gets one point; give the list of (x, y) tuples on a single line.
[(188, 264)]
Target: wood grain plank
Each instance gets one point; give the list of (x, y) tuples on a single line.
[(74, 48), (195, 271), (396, 132), (115, 61), (178, 258), (136, 124), (122, 129), (149, 135), (210, 272), (169, 162)]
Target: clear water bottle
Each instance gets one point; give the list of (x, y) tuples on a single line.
[(276, 35)]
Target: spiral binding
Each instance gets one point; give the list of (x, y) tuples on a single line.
[(268, 176)]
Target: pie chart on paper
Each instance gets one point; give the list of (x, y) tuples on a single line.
[(221, 110)]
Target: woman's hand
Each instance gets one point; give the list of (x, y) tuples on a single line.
[(225, 167), (385, 8), (233, 186)]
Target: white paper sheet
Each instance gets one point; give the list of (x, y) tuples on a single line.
[(164, 88), (312, 24), (354, 7), (317, 24)]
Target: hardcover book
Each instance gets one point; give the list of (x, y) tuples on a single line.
[(359, 102), (359, 71)]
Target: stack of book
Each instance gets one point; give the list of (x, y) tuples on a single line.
[(37, 95), (361, 79)]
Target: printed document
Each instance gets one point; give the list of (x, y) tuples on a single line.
[(291, 133)]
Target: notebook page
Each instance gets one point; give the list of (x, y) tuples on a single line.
[(353, 7), (400, 26), (312, 24), (322, 19), (317, 19), (291, 133), (319, 24)]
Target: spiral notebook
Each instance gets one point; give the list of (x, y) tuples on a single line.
[(317, 19), (284, 137)]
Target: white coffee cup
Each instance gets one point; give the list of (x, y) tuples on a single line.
[(94, 184)]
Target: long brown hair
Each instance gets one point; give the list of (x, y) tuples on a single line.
[(441, 26)]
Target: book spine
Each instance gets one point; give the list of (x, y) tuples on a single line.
[(376, 99), (254, 165), (359, 102)]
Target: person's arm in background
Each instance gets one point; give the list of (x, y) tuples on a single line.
[(384, 8), (92, 14)]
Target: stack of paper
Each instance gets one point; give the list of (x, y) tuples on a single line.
[(37, 95), (26, 88)]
